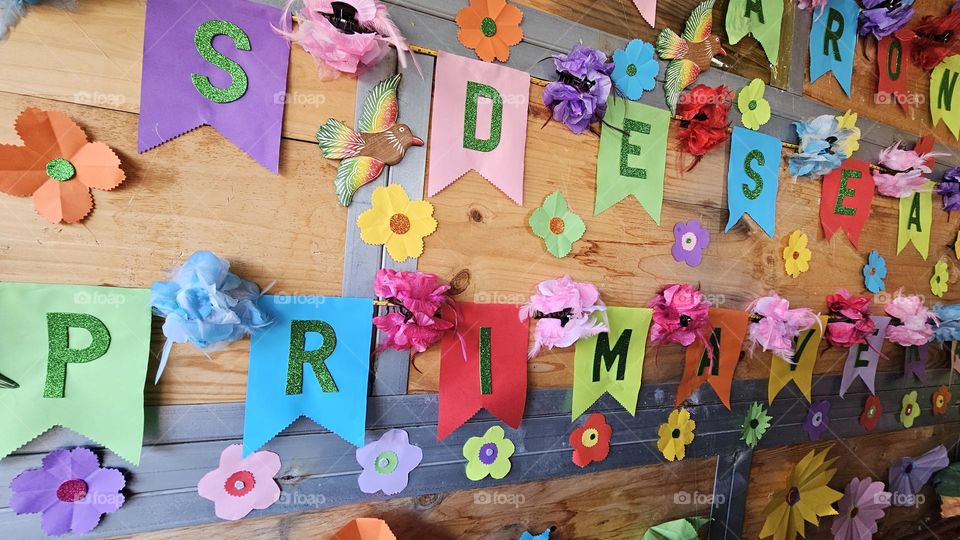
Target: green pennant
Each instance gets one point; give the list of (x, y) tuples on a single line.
[(945, 94), (762, 18)]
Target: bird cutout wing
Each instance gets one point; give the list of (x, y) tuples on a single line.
[(381, 106), (670, 45), (337, 141), (679, 75), (700, 23), (353, 173)]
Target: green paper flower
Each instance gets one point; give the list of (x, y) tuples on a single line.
[(754, 110), (755, 424), (909, 409), (488, 455), (557, 225)]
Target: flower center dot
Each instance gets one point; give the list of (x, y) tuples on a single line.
[(793, 496), (854, 511), (632, 70), (796, 255), (873, 271), (60, 169), (754, 423), (385, 462), (399, 224), (676, 433), (909, 468), (72, 490), (488, 26), (557, 225), (590, 438), (909, 410), (752, 105), (872, 411), (488, 453), (239, 483)]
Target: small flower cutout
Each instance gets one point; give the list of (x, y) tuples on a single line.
[(488, 455), (397, 222), (940, 400), (387, 463), (817, 420), (874, 272), (635, 69), (490, 28), (241, 484), (909, 409), (591, 441), (675, 434), (755, 424), (557, 225), (941, 275), (689, 241), (872, 410), (848, 120), (796, 256), (754, 110)]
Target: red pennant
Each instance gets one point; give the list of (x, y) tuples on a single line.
[(729, 329), (845, 199), (924, 146), (893, 54), (496, 345)]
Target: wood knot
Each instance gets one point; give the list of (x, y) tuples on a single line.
[(425, 502), (460, 282), (475, 215)]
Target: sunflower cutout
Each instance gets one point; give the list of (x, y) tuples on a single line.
[(805, 498), (755, 424)]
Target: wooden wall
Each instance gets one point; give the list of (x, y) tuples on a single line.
[(201, 192)]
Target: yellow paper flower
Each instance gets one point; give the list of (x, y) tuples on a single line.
[(397, 222), (806, 498), (754, 110), (909, 409), (848, 120), (796, 256), (676, 434), (956, 246), (941, 275)]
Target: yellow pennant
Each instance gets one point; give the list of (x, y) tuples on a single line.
[(806, 345), (916, 215)]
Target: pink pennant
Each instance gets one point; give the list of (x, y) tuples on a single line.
[(648, 10)]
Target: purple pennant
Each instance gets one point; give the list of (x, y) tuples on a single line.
[(915, 362), (216, 63), (862, 360)]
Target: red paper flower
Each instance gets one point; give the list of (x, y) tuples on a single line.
[(941, 400), (871, 413), (704, 125), (849, 319), (591, 441), (936, 39)]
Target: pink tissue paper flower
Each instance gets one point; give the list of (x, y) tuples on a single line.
[(849, 319), (774, 325), (565, 311), (912, 322), (680, 315), (413, 320), (909, 170)]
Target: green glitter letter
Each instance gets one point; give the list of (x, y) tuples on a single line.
[(475, 91), (486, 382), (59, 352), (831, 34), (316, 358), (945, 93), (752, 194), (895, 47), (705, 359), (754, 6), (627, 149), (203, 40), (844, 192), (913, 222), (799, 345), (603, 354)]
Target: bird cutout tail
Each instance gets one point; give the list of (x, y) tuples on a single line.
[(337, 141), (670, 45), (354, 173), (679, 75)]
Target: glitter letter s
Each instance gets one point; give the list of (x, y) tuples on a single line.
[(204, 43)]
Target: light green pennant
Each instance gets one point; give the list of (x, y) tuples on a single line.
[(633, 156), (945, 94), (916, 217), (612, 362), (762, 18), (80, 355)]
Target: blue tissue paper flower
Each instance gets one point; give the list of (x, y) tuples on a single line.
[(635, 69), (949, 327), (874, 272), (206, 305), (822, 144)]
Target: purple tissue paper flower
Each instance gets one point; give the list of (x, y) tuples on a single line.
[(884, 17), (387, 463), (689, 241), (579, 98), (70, 491), (908, 475), (949, 189), (817, 420)]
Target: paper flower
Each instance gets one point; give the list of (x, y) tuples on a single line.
[(774, 326), (817, 420), (413, 320), (689, 241), (70, 490), (908, 475), (677, 529), (545, 535), (796, 256), (488, 455), (939, 282), (387, 463), (680, 315), (860, 508), (365, 529), (557, 225), (393, 220), (755, 424), (822, 146), (675, 434), (909, 409), (949, 189), (490, 27), (874, 272), (591, 441), (57, 165), (848, 322), (349, 36), (806, 498), (872, 411), (206, 304), (907, 174), (635, 69), (565, 311), (704, 112), (936, 39), (947, 484), (847, 122), (579, 98), (949, 327), (754, 110), (911, 322), (884, 17), (241, 484), (941, 400)]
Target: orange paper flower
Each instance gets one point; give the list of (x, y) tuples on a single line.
[(941, 400), (490, 27), (57, 166)]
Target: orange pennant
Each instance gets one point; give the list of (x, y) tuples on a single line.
[(729, 329)]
